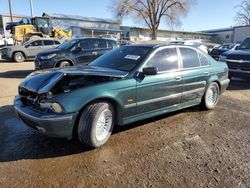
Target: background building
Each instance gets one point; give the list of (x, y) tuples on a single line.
[(137, 34), (89, 26), (231, 34), (240, 33), (85, 26)]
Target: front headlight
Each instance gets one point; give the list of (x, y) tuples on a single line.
[(48, 56), (222, 58), (54, 106)]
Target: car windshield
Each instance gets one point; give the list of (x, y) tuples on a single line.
[(125, 58), (245, 44), (67, 45)]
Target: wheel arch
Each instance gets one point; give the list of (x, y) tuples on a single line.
[(24, 54), (69, 60), (117, 109), (216, 80)]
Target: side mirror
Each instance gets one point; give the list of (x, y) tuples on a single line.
[(237, 47), (150, 71), (27, 46)]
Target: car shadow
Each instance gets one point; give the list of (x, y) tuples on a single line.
[(18, 142), (15, 74)]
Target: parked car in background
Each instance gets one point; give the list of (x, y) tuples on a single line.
[(238, 61), (194, 43), (217, 51), (29, 49), (125, 85), (73, 52)]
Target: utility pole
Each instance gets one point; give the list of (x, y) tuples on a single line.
[(11, 18), (31, 9)]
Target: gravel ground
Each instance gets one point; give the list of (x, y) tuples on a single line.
[(188, 148)]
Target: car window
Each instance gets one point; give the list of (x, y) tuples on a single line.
[(203, 59), (190, 58), (102, 44), (164, 60), (84, 44), (57, 42), (112, 44), (36, 43), (93, 44), (48, 42), (125, 58)]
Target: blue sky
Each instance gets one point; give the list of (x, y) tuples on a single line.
[(206, 14)]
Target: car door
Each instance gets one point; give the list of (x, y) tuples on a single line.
[(195, 73), (34, 48), (161, 91), (83, 51)]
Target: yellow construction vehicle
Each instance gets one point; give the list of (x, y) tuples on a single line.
[(40, 27)]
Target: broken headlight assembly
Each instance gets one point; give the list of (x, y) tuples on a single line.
[(53, 106)]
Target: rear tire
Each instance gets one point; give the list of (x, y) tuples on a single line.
[(96, 124), (64, 64), (18, 57), (211, 96)]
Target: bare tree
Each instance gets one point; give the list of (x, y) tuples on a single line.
[(243, 13), (153, 11)]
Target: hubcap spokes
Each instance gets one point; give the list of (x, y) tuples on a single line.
[(104, 124), (212, 96)]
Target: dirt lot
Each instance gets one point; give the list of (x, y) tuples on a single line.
[(189, 148)]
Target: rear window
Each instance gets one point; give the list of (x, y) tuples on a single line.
[(190, 58), (125, 58), (203, 59)]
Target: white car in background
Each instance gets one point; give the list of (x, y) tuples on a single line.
[(194, 43)]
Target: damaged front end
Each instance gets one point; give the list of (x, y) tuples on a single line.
[(37, 103)]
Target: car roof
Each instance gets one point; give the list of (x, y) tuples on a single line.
[(82, 38), (154, 46)]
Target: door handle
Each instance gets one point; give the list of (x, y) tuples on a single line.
[(94, 53), (178, 78), (206, 73)]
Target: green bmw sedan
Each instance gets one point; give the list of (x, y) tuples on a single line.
[(125, 85)]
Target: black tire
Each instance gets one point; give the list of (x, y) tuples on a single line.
[(18, 57), (206, 102), (87, 127), (64, 64)]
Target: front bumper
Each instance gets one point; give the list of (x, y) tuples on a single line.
[(55, 125), (44, 64)]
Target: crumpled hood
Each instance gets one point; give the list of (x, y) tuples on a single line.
[(237, 54), (44, 81)]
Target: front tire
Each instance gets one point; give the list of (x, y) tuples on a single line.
[(211, 96), (64, 64), (96, 124), (18, 57)]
